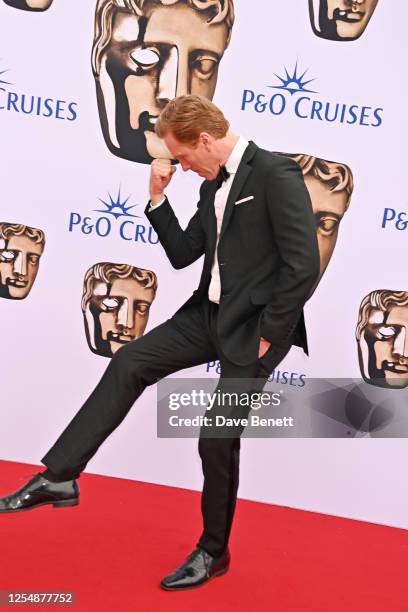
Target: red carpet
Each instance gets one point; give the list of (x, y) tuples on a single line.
[(113, 549)]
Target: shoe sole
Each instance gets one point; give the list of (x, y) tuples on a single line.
[(195, 586), (64, 503)]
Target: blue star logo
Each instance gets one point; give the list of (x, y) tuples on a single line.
[(117, 208), (1, 77), (293, 83)]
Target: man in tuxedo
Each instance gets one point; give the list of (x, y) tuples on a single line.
[(254, 225)]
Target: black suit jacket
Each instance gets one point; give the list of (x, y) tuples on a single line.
[(268, 254)]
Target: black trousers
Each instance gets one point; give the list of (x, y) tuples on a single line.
[(188, 339)]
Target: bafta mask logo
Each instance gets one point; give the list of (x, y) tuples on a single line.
[(330, 185), (20, 250), (382, 338), (115, 304), (147, 52), (340, 19), (30, 5)]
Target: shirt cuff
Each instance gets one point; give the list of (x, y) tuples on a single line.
[(156, 205)]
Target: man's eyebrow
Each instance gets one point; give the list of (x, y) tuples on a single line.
[(210, 51)]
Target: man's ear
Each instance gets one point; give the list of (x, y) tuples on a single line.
[(206, 140)]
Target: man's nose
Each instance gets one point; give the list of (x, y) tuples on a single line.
[(344, 5), (353, 4), (20, 264), (401, 343), (173, 79), (125, 315)]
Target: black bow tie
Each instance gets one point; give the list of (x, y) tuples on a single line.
[(222, 176)]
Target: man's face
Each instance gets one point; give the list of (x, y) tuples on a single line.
[(19, 261), (200, 158), (30, 5), (341, 19), (118, 313), (383, 348), (149, 61), (328, 208)]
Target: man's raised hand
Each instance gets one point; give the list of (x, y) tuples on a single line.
[(161, 172)]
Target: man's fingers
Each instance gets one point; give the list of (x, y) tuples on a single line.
[(162, 168), (161, 173), (263, 347), (162, 164)]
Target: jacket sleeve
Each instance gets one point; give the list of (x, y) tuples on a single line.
[(294, 233), (182, 247)]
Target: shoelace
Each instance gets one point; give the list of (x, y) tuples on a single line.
[(194, 560)]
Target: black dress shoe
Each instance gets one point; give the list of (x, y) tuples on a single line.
[(39, 491), (198, 569)]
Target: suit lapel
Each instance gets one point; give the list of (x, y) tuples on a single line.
[(240, 178), (211, 220)]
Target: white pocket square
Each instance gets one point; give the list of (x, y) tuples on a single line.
[(244, 200)]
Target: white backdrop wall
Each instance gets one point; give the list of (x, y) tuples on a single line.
[(52, 168)]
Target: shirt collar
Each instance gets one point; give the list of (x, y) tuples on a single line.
[(237, 152)]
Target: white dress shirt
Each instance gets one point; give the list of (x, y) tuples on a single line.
[(220, 201)]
